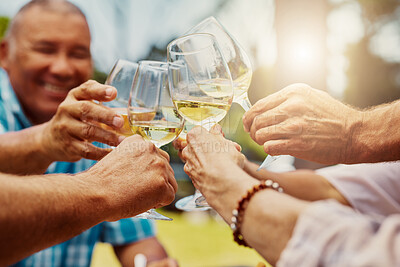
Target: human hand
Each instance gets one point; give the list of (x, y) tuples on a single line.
[(168, 262), (180, 143), (208, 157), (68, 135), (133, 178), (305, 123)]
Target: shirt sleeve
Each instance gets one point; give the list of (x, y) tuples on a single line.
[(369, 188), (127, 231), (4, 115), (330, 234)]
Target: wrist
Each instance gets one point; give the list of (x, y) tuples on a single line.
[(357, 128), (226, 199), (96, 199), (43, 142)]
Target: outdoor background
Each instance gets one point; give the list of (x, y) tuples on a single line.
[(349, 48)]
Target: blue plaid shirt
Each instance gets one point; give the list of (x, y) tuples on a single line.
[(78, 250)]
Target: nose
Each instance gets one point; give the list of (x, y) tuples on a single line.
[(61, 66)]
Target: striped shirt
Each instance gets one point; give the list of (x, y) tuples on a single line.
[(78, 250)]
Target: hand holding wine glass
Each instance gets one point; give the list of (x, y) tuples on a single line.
[(151, 111), (121, 77), (201, 87)]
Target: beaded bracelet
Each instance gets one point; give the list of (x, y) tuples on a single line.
[(237, 214)]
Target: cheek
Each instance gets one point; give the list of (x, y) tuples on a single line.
[(84, 71)]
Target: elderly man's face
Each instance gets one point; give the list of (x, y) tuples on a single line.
[(49, 56)]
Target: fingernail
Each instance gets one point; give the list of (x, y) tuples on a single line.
[(109, 92), (121, 138), (118, 121)]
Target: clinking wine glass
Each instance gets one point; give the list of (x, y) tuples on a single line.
[(201, 88), (238, 62), (151, 111), (121, 77)]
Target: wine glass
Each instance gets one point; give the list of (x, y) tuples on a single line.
[(121, 77), (201, 88), (238, 62), (151, 111)]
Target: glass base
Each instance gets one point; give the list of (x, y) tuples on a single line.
[(267, 162), (189, 203), (152, 215)]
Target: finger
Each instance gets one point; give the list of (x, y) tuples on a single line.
[(266, 119), (268, 133), (90, 151), (179, 143), (237, 146), (90, 111), (90, 132), (164, 154), (261, 106), (172, 181), (185, 154), (216, 129), (92, 90), (181, 156)]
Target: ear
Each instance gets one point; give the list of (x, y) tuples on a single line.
[(4, 53)]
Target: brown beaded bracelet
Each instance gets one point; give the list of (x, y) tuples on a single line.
[(237, 214)]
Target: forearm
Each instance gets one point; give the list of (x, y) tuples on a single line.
[(41, 211), (268, 219), (302, 184), (376, 138), (22, 152)]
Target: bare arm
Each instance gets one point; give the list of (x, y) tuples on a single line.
[(40, 211), (22, 152), (302, 184)]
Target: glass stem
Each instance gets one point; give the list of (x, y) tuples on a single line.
[(244, 103)]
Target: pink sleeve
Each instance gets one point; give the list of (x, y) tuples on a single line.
[(329, 234), (370, 188)]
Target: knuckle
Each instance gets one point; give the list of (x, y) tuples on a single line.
[(88, 131), (259, 137), (84, 108)]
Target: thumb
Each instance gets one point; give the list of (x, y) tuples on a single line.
[(216, 129)]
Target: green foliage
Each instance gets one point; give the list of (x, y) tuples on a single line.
[(99, 76), (4, 21), (372, 81)]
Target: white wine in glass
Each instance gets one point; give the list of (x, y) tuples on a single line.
[(151, 111), (121, 77), (238, 62), (201, 88), (235, 56)]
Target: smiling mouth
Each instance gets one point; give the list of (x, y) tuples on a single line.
[(55, 89)]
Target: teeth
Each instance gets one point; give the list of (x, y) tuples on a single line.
[(53, 88)]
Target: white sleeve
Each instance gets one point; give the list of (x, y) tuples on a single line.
[(369, 188), (329, 234)]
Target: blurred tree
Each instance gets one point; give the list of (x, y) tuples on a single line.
[(371, 79), (3, 26), (99, 76)]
